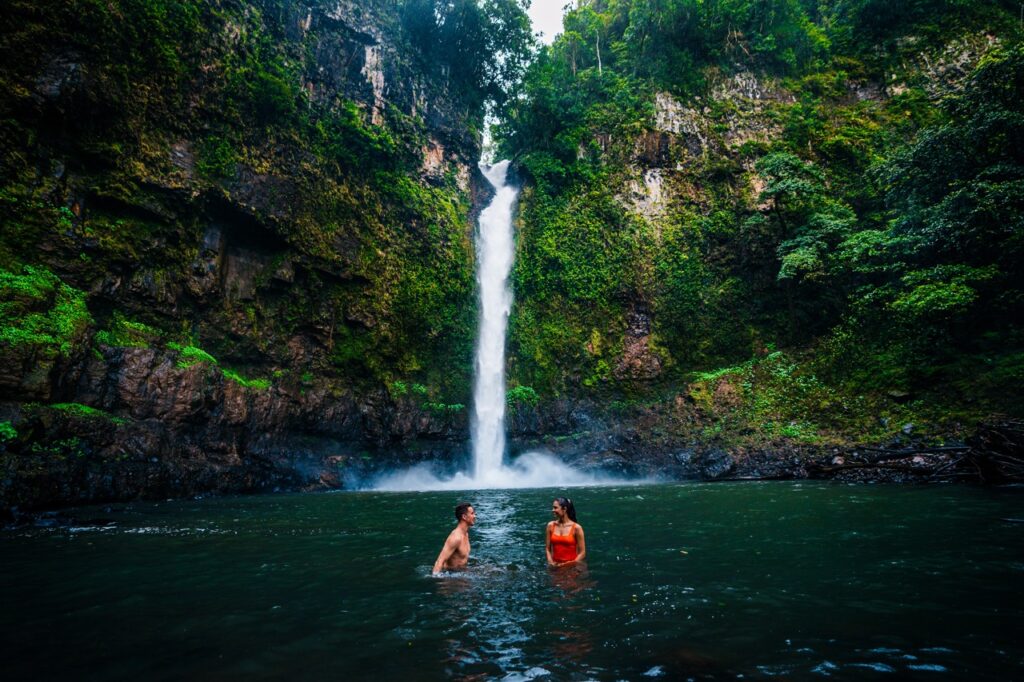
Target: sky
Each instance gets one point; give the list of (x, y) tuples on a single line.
[(546, 16)]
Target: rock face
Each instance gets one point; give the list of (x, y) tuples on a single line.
[(190, 431), (289, 196), (639, 361)]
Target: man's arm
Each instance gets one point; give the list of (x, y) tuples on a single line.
[(450, 545)]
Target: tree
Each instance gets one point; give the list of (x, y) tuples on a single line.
[(479, 47), (957, 193)]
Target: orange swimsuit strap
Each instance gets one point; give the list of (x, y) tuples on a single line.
[(570, 534)]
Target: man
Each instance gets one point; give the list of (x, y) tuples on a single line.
[(455, 552)]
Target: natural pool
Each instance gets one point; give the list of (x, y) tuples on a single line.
[(702, 581)]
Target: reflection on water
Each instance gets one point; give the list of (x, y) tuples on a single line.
[(571, 645), (765, 580), (454, 583), (569, 581)]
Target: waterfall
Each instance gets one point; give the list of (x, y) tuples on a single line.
[(494, 255), (494, 250)]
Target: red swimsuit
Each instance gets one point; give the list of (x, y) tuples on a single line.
[(563, 547)]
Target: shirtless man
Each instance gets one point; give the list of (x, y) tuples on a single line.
[(455, 552)]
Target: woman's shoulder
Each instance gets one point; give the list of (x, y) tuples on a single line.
[(551, 524)]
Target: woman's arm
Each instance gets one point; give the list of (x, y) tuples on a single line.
[(547, 544), (581, 543)]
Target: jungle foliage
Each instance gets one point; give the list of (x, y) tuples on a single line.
[(840, 179), (129, 127)]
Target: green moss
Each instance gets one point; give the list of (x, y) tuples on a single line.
[(258, 384), (7, 431), (37, 308), (191, 355), (780, 396), (443, 408), (716, 374), (218, 158), (125, 333), (84, 411)]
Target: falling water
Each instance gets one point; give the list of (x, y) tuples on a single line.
[(494, 250)]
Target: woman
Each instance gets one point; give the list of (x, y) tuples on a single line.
[(565, 543)]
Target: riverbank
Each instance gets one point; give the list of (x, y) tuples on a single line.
[(157, 423), (992, 455), (71, 455)]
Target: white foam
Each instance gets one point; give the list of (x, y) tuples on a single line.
[(529, 470)]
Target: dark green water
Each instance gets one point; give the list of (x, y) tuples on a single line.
[(719, 581)]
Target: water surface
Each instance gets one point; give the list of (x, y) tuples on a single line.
[(712, 581)]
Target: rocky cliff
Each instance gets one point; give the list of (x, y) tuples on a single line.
[(756, 229), (236, 249)]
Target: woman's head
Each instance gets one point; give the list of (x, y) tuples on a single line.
[(563, 504)]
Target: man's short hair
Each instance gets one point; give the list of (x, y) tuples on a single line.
[(460, 509)]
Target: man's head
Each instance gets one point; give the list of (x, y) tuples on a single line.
[(464, 512)]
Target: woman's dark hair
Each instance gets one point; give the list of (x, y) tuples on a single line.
[(566, 504), (460, 509)]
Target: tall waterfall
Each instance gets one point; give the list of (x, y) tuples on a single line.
[(494, 251)]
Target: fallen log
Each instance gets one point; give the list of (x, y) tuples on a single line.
[(998, 450), (835, 468), (887, 454)]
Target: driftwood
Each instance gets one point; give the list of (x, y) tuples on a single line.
[(998, 451), (994, 455), (885, 454), (831, 469)]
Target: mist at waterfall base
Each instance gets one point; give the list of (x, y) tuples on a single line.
[(495, 250), (529, 470)]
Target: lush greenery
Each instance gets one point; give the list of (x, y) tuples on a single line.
[(801, 218), (148, 146), (191, 355), (424, 397), (709, 179)]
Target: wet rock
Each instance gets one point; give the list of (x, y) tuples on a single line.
[(582, 418), (715, 464), (525, 421), (685, 458), (59, 79), (638, 360), (611, 463)]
